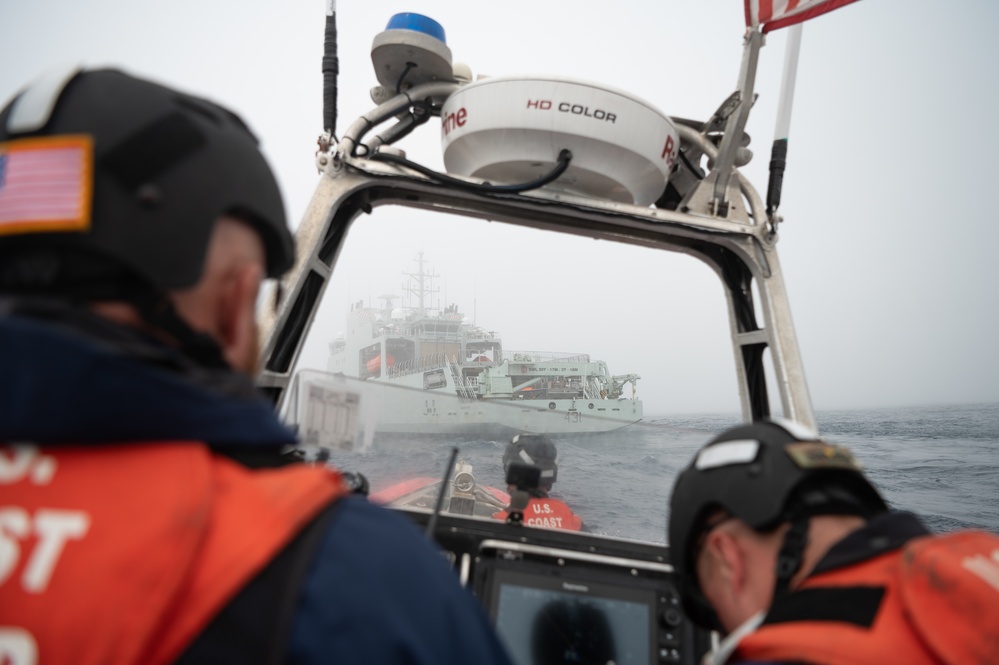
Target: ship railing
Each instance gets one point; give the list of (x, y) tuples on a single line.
[(546, 356), (421, 364)]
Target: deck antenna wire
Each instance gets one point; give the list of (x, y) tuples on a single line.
[(331, 69)]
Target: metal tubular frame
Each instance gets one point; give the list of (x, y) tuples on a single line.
[(738, 246), (730, 248)]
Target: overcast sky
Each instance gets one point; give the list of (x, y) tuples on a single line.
[(888, 196)]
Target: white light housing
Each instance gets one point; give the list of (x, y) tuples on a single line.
[(411, 50)]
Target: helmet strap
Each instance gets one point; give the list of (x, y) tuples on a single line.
[(158, 311), (791, 555), (33, 269)]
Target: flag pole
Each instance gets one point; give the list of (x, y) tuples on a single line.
[(778, 155)]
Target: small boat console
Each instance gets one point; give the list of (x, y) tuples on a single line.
[(618, 594)]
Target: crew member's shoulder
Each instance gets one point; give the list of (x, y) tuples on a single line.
[(379, 591), (377, 541), (367, 518)]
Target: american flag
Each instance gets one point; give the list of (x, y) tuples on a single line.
[(774, 14), (45, 184)]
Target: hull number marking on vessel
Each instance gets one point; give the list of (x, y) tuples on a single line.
[(573, 417), (569, 107)]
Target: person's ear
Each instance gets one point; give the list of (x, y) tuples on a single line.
[(236, 322), (721, 569), (733, 559), (725, 565)]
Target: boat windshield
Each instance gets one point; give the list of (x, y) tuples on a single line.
[(439, 332)]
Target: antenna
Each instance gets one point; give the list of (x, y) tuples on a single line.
[(421, 285), (432, 522), (331, 69), (778, 154)]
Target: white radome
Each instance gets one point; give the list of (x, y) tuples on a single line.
[(510, 130)]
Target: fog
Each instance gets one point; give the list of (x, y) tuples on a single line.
[(887, 196)]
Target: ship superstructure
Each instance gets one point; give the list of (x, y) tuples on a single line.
[(443, 352)]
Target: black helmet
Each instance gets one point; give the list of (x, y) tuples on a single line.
[(534, 450), (146, 172), (764, 474)]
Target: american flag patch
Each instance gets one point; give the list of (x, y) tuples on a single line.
[(46, 184)]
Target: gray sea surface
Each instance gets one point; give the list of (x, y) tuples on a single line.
[(940, 462)]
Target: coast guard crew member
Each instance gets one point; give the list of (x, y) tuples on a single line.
[(780, 541), (146, 514), (542, 510)]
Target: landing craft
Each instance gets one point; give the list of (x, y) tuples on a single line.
[(530, 184)]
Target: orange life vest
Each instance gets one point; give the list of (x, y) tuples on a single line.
[(936, 600), (122, 554), (547, 513)]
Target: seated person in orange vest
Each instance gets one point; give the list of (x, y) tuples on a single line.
[(537, 450), (781, 543)]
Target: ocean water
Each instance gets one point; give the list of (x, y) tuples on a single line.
[(941, 463)]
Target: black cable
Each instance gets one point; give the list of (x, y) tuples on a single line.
[(690, 167), (564, 158), (402, 77), (370, 123), (417, 120)]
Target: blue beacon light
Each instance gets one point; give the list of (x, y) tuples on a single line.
[(417, 23)]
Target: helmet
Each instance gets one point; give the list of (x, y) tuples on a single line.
[(764, 474), (149, 172), (534, 450)]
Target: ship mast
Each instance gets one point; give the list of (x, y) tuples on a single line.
[(420, 284)]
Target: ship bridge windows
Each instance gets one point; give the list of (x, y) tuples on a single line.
[(441, 328)]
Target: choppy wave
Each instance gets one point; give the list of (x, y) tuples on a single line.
[(957, 422), (939, 462)]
